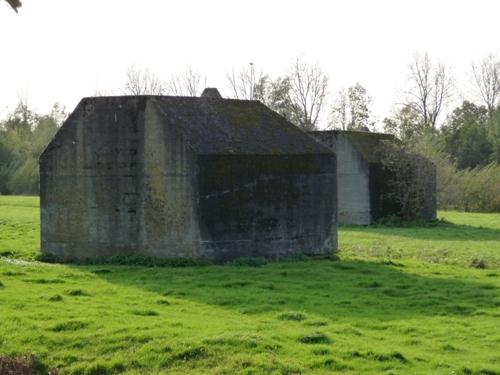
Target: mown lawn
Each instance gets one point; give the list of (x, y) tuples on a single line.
[(400, 301)]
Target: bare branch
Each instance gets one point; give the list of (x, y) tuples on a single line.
[(14, 4), (308, 91), (143, 82), (188, 83), (486, 81), (243, 84), (431, 89)]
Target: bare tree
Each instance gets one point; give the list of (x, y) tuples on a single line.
[(486, 81), (188, 83), (340, 111), (308, 91), (245, 84), (431, 88), (143, 82), (14, 4)]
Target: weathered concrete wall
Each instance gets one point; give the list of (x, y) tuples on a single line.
[(121, 177), (169, 223), (367, 191), (271, 206), (89, 185), (353, 184)]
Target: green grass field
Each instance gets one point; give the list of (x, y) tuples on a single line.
[(400, 301)]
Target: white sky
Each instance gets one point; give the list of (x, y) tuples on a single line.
[(62, 50)]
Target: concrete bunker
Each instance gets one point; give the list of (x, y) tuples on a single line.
[(185, 177), (365, 188)]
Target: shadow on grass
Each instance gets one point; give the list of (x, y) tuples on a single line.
[(441, 231), (322, 288)]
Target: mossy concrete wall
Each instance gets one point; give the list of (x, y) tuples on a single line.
[(119, 179)]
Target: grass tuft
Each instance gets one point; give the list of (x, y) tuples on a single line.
[(163, 301), (13, 273), (7, 254), (145, 312), (73, 325), (478, 263), (292, 315), (56, 298), (248, 262), (101, 271), (191, 354), (332, 365), (315, 338), (77, 293), (44, 281), (321, 351)]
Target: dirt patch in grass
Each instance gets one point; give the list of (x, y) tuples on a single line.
[(24, 365)]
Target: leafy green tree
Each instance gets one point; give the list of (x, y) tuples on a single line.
[(351, 109), (466, 136), (276, 94), (23, 137), (494, 133), (406, 124)]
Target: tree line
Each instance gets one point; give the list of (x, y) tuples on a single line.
[(464, 145)]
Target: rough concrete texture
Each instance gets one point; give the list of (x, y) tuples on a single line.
[(199, 178), (363, 185), (353, 180)]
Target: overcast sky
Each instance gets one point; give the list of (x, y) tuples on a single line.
[(63, 50)]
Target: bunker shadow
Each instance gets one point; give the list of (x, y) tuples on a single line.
[(325, 289), (434, 232)]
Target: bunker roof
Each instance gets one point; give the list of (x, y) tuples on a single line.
[(213, 125), (367, 144)]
